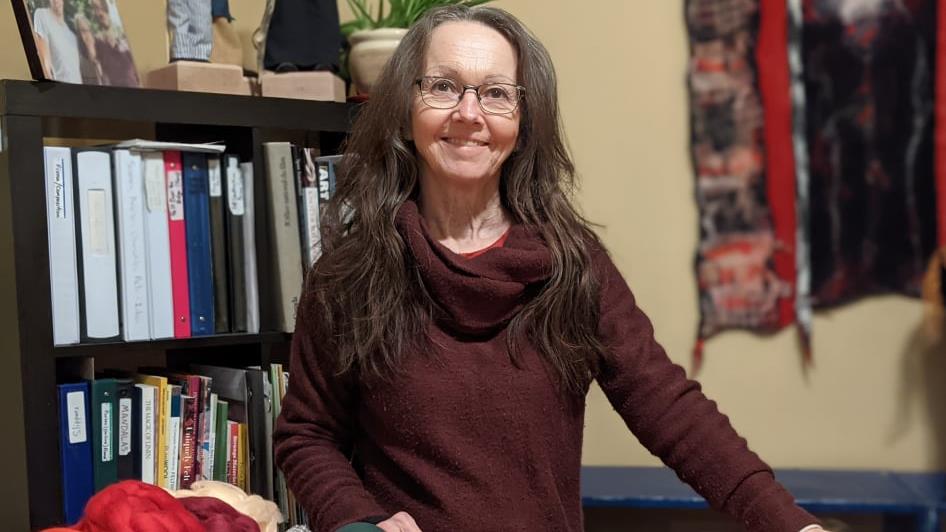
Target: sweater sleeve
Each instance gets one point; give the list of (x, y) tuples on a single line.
[(674, 420), (313, 432)]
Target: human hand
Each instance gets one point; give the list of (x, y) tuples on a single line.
[(399, 522)]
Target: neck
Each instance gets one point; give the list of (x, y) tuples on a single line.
[(463, 219)]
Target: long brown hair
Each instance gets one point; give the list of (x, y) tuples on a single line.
[(373, 304)]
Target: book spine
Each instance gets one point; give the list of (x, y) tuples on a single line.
[(285, 225), (199, 252), (188, 459)]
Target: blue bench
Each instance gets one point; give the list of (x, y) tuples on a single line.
[(918, 498)]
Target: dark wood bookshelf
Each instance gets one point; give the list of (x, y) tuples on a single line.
[(29, 363), (197, 342)]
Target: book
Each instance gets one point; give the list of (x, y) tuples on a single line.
[(308, 183), (199, 253), (174, 438), (233, 453), (132, 259), (188, 457), (236, 240), (61, 229), (218, 245), (98, 286), (249, 248), (104, 435), (162, 427), (284, 227), (220, 442), (177, 244), (207, 464), (75, 449), (145, 432), (158, 248)]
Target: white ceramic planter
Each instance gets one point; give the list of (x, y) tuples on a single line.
[(370, 51)]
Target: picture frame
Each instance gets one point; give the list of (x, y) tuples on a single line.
[(76, 41)]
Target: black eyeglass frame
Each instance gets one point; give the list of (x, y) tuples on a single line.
[(520, 93)]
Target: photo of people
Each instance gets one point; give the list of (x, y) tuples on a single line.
[(79, 41)]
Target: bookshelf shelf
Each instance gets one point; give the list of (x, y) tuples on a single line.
[(29, 362), (219, 340)]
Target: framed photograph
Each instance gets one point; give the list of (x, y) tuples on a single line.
[(76, 41)]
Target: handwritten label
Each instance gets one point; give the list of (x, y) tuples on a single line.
[(59, 188), (107, 432), (213, 177), (235, 190), (98, 221), (155, 198), (75, 412), (175, 196)]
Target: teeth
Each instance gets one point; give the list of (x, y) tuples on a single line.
[(460, 142)]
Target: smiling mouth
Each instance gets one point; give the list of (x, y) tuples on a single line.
[(464, 142)]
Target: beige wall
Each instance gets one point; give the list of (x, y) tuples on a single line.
[(876, 396)]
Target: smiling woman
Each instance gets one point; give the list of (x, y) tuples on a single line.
[(461, 308)]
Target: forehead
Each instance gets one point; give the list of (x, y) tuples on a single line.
[(471, 51)]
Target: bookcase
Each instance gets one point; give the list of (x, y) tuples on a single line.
[(30, 365)]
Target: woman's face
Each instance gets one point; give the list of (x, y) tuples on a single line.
[(464, 145)]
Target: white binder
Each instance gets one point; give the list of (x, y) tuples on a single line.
[(99, 283), (249, 250), (132, 258), (61, 224), (158, 246)]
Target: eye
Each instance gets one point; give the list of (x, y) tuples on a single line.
[(498, 92), (442, 86)]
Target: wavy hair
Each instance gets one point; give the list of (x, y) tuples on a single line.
[(374, 306)]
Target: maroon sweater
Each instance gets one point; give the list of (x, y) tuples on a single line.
[(464, 440)]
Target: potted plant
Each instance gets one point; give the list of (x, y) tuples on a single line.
[(373, 38)]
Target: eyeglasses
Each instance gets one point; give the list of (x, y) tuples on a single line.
[(494, 98)]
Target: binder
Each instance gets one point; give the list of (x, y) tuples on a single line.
[(61, 228), (199, 255), (249, 248), (218, 244), (177, 244), (75, 449), (132, 259), (236, 255), (124, 429), (157, 249), (98, 287)]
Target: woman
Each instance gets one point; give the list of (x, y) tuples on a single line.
[(450, 331)]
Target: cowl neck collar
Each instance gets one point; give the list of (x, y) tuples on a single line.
[(480, 295)]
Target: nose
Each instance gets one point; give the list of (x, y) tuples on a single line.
[(469, 107)]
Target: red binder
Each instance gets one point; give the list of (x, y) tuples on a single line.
[(177, 237)]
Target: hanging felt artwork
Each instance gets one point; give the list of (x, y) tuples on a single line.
[(812, 142), (745, 261), (869, 98)]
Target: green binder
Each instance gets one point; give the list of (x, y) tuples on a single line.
[(104, 432)]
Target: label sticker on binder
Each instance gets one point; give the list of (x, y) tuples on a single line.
[(75, 412), (213, 177), (235, 190), (154, 184), (175, 196), (98, 221), (106, 432), (124, 427)]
